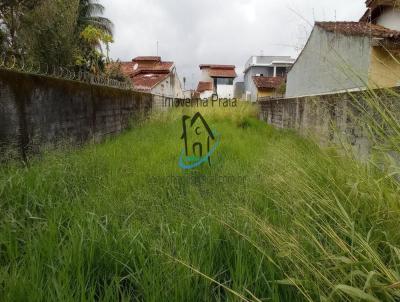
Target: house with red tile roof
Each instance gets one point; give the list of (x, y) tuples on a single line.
[(342, 56), (204, 87), (216, 79), (151, 74), (263, 71), (268, 86)]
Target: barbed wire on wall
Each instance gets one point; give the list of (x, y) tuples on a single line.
[(11, 63)]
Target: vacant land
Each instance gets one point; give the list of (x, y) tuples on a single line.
[(275, 218)]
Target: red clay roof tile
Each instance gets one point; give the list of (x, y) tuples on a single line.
[(145, 82), (204, 86), (147, 58), (359, 29), (267, 82), (222, 73), (146, 72), (213, 66), (130, 68)]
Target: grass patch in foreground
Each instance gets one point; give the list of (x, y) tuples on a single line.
[(106, 223)]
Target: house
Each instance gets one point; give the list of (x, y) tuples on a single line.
[(268, 86), (216, 79), (342, 56), (205, 89), (268, 68), (152, 75), (384, 12)]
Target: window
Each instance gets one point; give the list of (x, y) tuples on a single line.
[(270, 72), (281, 71), (224, 81)]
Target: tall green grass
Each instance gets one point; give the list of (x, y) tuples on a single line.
[(106, 223)]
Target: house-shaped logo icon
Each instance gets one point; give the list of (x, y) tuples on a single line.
[(200, 142)]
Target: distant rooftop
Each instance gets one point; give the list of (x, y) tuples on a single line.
[(267, 82), (216, 66), (146, 72), (147, 58), (204, 86), (220, 71), (145, 82), (359, 29)]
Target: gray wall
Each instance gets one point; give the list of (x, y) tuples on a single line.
[(36, 111), (330, 118), (330, 62), (238, 90)]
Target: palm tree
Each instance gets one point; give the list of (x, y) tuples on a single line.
[(93, 29), (90, 12)]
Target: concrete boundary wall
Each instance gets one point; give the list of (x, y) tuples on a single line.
[(36, 111), (329, 118)]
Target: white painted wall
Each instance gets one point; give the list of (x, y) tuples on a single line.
[(225, 91), (170, 87), (390, 18), (163, 88)]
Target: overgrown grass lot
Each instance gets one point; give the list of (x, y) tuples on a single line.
[(275, 218)]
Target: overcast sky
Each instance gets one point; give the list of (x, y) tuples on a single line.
[(193, 32)]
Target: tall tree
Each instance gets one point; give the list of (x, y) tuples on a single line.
[(49, 34), (55, 32), (93, 54), (94, 30), (90, 13)]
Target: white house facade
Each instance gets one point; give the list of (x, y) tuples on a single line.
[(217, 79)]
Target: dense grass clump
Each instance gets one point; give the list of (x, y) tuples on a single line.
[(275, 218)]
